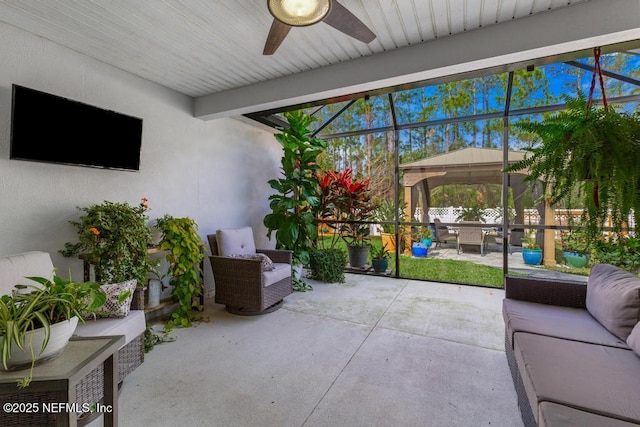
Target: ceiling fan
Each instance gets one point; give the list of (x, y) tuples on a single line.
[(302, 13)]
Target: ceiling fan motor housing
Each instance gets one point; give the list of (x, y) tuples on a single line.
[(299, 13)]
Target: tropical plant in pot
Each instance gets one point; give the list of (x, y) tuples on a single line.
[(422, 240), (293, 207), (114, 238), (345, 202), (36, 322), (385, 214), (531, 251), (575, 245), (380, 259)]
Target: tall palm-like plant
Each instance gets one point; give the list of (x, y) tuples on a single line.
[(292, 217)]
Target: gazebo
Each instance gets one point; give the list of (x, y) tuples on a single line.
[(472, 166)]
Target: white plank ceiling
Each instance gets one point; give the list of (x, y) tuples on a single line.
[(199, 47)]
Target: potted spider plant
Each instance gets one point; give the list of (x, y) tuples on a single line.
[(36, 322)]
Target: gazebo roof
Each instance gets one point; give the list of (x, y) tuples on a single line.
[(464, 157), (465, 166)]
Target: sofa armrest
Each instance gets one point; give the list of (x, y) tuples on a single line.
[(544, 291), (277, 255)]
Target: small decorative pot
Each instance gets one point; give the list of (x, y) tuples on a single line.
[(154, 289), (419, 250), (380, 265), (427, 242), (575, 259), (532, 256)]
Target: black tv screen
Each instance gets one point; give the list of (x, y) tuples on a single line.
[(49, 128)]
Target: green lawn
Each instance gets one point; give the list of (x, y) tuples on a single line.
[(450, 270), (443, 270)]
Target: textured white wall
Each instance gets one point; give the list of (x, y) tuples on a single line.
[(214, 172)]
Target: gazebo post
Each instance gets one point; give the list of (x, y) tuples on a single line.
[(549, 248), (409, 215)]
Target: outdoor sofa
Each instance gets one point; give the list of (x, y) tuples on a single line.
[(13, 270), (574, 349)]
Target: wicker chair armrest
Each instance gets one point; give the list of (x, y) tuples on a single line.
[(137, 302), (277, 255), (228, 270), (544, 291)]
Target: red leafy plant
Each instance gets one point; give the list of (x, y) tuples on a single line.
[(345, 203)]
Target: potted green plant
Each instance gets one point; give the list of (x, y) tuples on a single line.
[(36, 322), (183, 250), (575, 245), (385, 213), (293, 207), (380, 259), (531, 251), (114, 238), (422, 241), (593, 149), (346, 203)]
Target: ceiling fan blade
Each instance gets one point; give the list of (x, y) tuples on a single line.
[(341, 19), (277, 33)]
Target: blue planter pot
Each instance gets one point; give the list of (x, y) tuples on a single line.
[(532, 256), (419, 250), (575, 259), (427, 242)]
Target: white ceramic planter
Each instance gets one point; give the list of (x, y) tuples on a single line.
[(58, 339)]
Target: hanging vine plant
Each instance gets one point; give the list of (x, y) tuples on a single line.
[(594, 149), (182, 243)]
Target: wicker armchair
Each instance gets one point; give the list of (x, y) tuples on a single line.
[(442, 233), (240, 282), (471, 236)]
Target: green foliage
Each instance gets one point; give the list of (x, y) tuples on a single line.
[(577, 241), (182, 243), (292, 217), (471, 214), (594, 149), (385, 212), (30, 307), (114, 237), (346, 200), (623, 252), (152, 338), (422, 232), (327, 265), (380, 252)]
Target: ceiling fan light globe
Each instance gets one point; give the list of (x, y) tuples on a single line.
[(299, 13)]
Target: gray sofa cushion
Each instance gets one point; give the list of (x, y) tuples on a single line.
[(613, 298), (598, 379), (553, 415), (634, 339), (556, 321)]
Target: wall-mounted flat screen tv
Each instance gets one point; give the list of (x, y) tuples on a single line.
[(52, 129)]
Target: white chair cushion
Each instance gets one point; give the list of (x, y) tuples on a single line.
[(280, 271), (235, 241), (14, 269), (130, 326)]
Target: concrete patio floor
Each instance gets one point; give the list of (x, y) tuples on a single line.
[(370, 352)]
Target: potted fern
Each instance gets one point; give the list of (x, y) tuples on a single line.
[(593, 149)]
